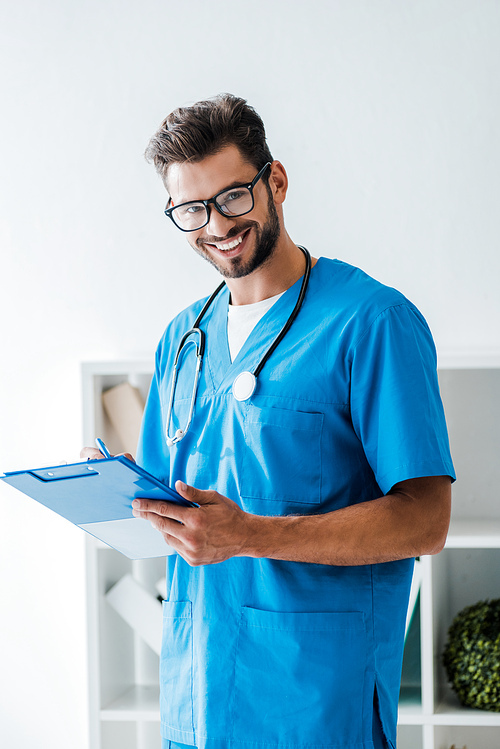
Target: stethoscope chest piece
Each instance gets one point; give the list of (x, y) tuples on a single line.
[(244, 386)]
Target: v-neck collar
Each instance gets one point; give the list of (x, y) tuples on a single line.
[(220, 370)]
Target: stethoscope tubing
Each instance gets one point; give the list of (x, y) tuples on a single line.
[(251, 377), (199, 361), (293, 315)]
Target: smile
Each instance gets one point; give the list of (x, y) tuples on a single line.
[(229, 245)]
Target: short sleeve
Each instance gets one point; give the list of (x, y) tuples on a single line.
[(396, 406), (152, 450)]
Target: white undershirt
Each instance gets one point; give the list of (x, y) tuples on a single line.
[(242, 319)]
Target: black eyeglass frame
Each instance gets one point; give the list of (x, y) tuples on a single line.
[(213, 201)]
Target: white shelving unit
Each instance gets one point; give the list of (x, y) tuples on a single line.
[(123, 670)]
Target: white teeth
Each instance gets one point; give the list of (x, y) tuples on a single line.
[(229, 245)]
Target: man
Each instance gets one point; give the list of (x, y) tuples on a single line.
[(286, 600)]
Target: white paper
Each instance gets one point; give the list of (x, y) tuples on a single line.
[(134, 537)]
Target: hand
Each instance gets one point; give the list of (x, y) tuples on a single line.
[(213, 532), (92, 453)]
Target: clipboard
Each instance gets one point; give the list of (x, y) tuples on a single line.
[(97, 496)]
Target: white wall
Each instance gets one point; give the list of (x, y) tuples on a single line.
[(385, 110)]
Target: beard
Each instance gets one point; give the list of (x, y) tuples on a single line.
[(266, 239)]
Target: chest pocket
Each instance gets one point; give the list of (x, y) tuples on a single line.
[(281, 459)]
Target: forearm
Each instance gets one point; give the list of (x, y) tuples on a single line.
[(410, 521)]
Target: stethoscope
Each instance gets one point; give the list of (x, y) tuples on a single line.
[(245, 383)]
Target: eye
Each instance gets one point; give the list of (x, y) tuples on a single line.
[(234, 195), (191, 208)]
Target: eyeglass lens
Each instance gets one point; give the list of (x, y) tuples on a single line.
[(233, 202)]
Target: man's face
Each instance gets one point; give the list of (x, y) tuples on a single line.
[(235, 246)]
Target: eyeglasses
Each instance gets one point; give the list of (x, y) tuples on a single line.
[(231, 202)]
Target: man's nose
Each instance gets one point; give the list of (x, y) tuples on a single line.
[(218, 225)]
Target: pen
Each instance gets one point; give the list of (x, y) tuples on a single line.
[(102, 447)]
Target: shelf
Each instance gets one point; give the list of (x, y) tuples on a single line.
[(484, 359), (139, 703), (429, 714), (474, 534), (450, 712), (474, 737)]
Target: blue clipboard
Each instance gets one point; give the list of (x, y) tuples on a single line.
[(97, 496)]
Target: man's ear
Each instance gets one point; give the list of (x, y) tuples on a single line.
[(278, 182)]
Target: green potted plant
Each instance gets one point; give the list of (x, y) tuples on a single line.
[(472, 655)]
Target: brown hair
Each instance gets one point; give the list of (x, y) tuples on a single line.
[(205, 128)]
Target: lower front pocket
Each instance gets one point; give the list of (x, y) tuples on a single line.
[(176, 667), (299, 678)]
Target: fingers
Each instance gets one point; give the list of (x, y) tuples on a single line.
[(173, 531), (211, 532), (151, 507), (187, 492), (199, 496), (91, 453), (127, 455), (170, 529)]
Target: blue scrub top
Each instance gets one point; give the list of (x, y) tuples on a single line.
[(272, 653)]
